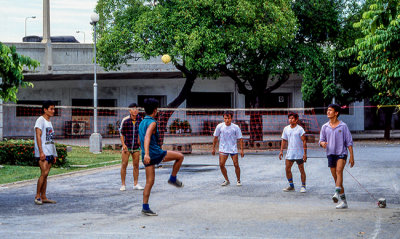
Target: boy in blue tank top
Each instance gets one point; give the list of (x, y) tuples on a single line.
[(152, 154)]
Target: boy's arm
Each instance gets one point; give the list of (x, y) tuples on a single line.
[(322, 138), (215, 140), (351, 160), (149, 133), (38, 132), (304, 139), (283, 145), (241, 147)]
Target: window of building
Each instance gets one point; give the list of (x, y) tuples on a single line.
[(274, 100), (89, 103), (23, 111), (162, 99), (208, 100)]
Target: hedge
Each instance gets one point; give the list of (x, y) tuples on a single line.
[(21, 152)]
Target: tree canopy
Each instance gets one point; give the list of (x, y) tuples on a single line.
[(11, 72), (325, 75), (378, 50)]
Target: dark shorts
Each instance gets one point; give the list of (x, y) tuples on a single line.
[(333, 158), (228, 154), (49, 159), (298, 161), (155, 161)]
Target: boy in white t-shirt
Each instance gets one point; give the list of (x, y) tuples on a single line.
[(228, 134), (294, 136), (45, 150)]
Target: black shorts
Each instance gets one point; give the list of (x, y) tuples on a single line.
[(333, 158), (49, 159), (298, 161), (155, 161)]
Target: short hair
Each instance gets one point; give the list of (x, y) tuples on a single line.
[(150, 105), (335, 107), (47, 103), (295, 115), (133, 105), (228, 113)]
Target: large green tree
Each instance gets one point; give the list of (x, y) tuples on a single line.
[(325, 29), (11, 72), (243, 39), (378, 53)]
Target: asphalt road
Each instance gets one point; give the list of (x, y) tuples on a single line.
[(90, 204)]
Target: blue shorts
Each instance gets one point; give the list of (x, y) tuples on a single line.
[(155, 161), (333, 158), (298, 161), (49, 159)]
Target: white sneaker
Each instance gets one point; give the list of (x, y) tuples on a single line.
[(335, 198), (303, 190), (238, 183), (122, 188), (138, 187), (342, 205), (225, 183)]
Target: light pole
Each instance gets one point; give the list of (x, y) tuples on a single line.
[(84, 35), (95, 138), (26, 18)]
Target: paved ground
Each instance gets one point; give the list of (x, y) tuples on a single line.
[(90, 204)]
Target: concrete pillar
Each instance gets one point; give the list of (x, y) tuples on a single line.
[(48, 59)]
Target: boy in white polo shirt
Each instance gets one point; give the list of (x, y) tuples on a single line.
[(228, 134), (294, 136)]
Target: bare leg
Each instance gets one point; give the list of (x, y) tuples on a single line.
[(178, 157), (339, 174), (44, 185), (222, 161), (235, 159), (150, 174), (288, 169), (302, 173), (135, 162), (43, 177), (124, 165)]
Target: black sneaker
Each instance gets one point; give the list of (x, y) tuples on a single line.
[(149, 212), (177, 183)]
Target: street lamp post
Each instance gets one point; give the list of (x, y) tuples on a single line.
[(84, 35), (95, 138), (26, 18)]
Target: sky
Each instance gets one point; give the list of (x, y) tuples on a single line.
[(66, 17)]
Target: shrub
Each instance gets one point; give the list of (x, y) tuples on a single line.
[(21, 152)]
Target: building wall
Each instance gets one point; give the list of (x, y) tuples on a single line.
[(76, 59)]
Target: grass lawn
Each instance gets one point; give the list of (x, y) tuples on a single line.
[(78, 156)]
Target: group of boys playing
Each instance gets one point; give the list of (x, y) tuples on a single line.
[(142, 135)]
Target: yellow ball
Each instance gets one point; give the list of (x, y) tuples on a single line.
[(166, 58)]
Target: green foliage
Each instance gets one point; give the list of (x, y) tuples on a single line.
[(21, 152), (11, 72), (180, 126), (203, 36), (325, 75), (378, 50)]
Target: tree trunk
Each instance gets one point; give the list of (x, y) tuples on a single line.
[(164, 116), (388, 113), (256, 121)]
